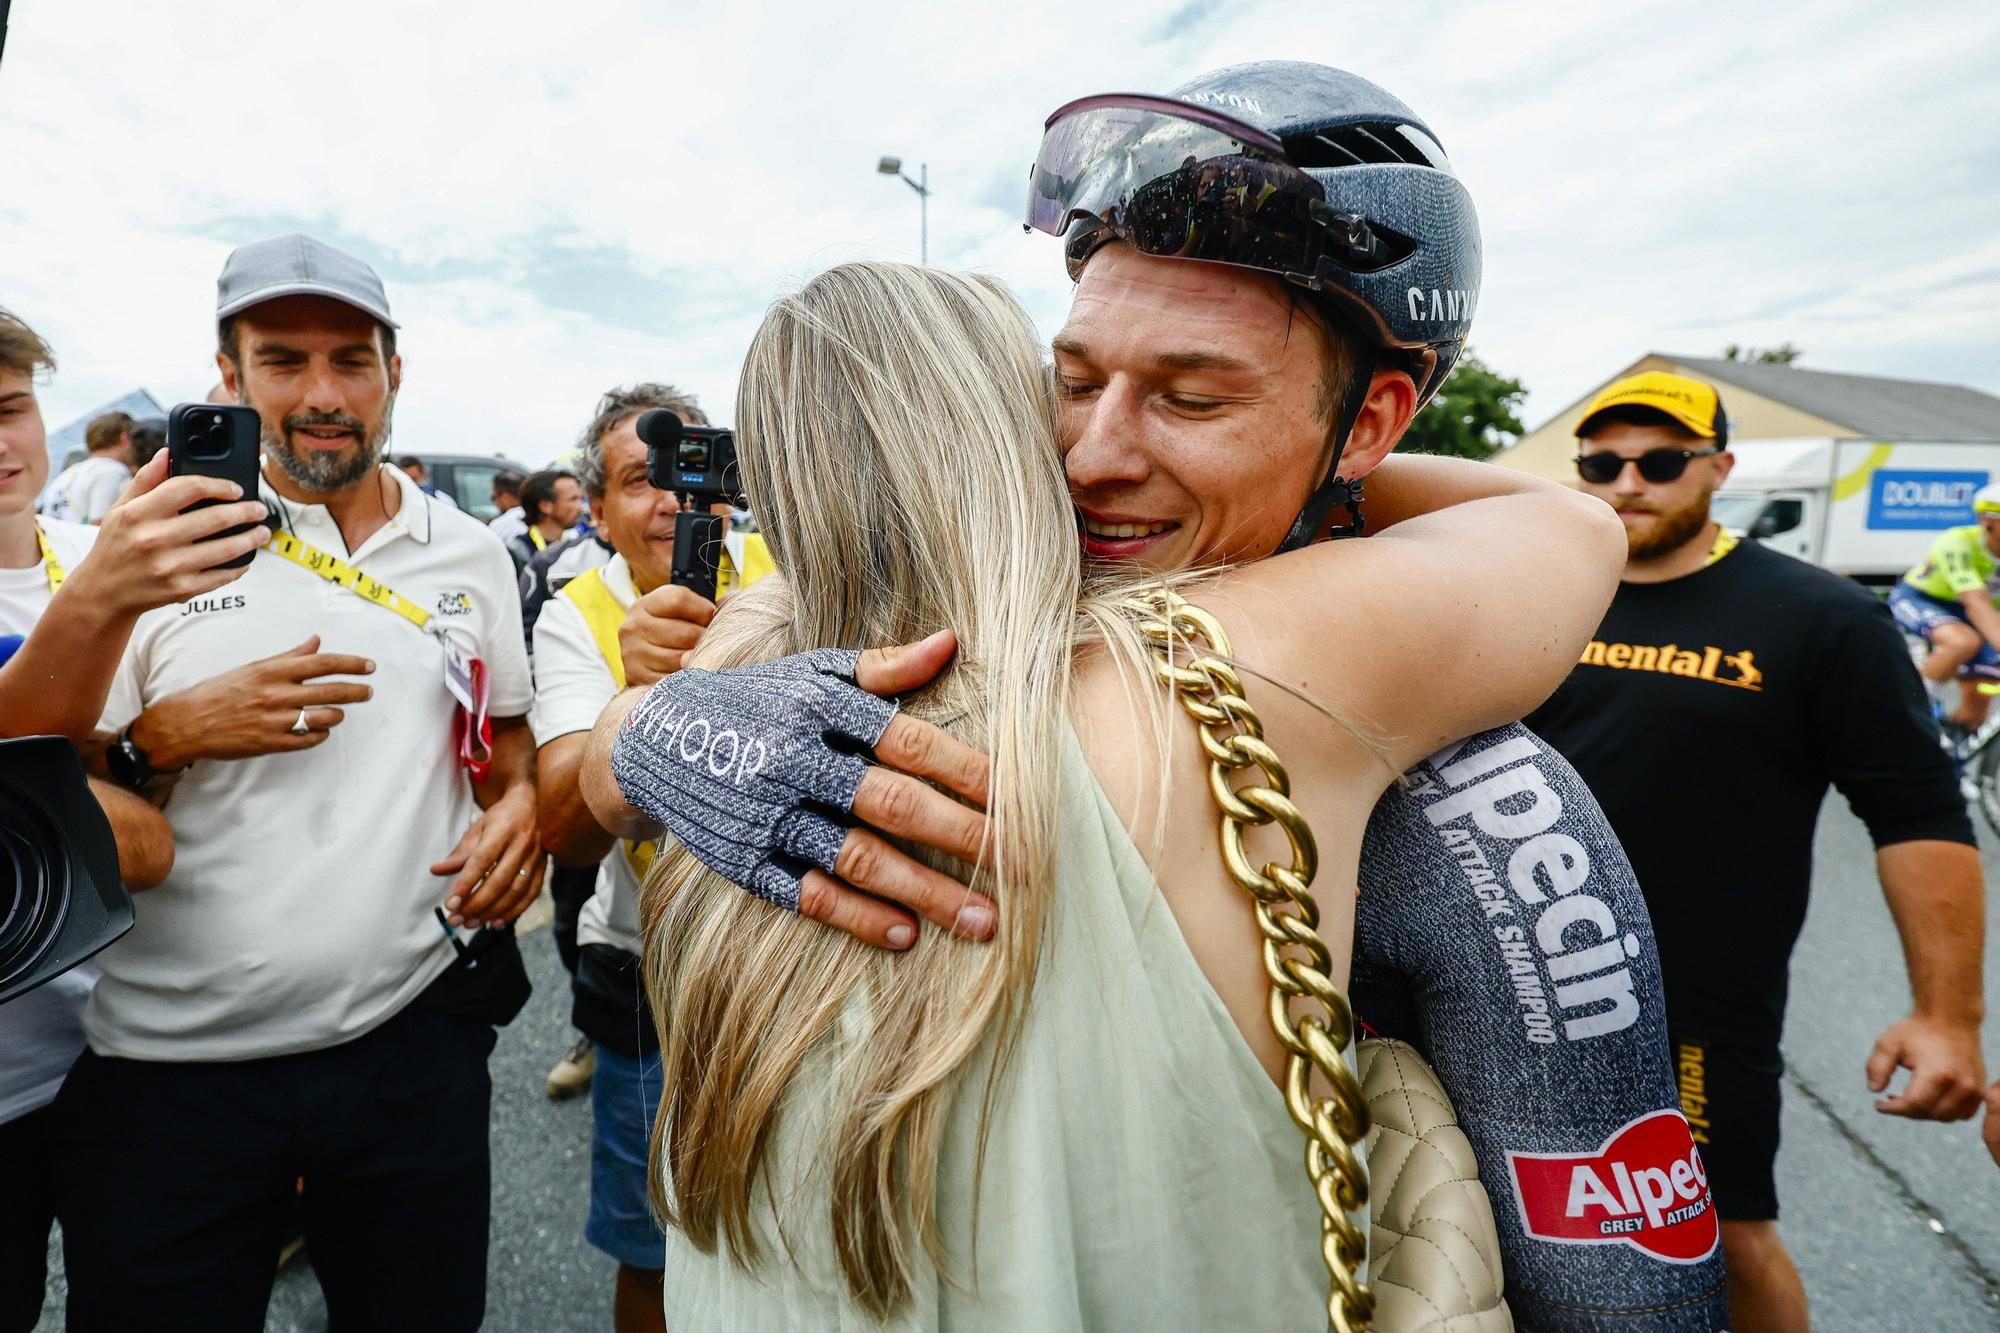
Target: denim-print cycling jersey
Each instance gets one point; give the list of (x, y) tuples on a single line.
[(1500, 930)]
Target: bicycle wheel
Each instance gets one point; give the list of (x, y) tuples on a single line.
[(1986, 778)]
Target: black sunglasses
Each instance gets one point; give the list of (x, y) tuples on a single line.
[(1655, 465)]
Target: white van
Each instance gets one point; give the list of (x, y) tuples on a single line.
[(1865, 508)]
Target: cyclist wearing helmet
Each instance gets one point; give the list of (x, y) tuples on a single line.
[(1948, 601), (1206, 412), (1727, 688)]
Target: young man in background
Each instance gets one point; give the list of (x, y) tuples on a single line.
[(85, 492)]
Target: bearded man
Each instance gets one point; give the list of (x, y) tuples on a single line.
[(297, 1002), (1728, 686)]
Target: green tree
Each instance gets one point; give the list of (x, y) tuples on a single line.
[(1782, 355), (1471, 416)]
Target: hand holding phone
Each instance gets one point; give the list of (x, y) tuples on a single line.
[(153, 548), (220, 440)]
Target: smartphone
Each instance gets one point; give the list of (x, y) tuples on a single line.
[(216, 440)]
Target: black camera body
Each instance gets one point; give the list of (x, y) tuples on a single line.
[(698, 463), (61, 899)]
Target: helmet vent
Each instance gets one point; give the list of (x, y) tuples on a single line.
[(1358, 145)]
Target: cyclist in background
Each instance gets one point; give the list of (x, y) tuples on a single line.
[(1948, 601)]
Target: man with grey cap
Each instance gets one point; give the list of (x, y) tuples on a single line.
[(301, 999)]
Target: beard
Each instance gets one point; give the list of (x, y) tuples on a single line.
[(1671, 530), (321, 470)]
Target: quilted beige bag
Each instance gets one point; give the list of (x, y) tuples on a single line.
[(1434, 1252), (1430, 1262)]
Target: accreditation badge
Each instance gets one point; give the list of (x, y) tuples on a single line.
[(471, 728)]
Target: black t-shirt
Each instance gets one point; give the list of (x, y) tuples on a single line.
[(1708, 715)]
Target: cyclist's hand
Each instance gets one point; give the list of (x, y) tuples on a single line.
[(1946, 1072), (879, 886), (1990, 1128)]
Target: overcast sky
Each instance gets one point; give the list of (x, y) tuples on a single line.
[(566, 196)]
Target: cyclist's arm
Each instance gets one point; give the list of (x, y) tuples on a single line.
[(1464, 614), (1985, 617), (1958, 559), (1449, 954)]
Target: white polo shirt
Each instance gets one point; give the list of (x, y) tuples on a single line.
[(41, 1033), (299, 912), (573, 683)]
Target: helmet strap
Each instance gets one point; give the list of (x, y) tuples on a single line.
[(1312, 522)]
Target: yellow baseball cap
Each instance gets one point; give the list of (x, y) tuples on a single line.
[(1690, 402)]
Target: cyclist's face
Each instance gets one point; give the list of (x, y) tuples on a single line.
[(1990, 529), (1662, 516), (1193, 418)]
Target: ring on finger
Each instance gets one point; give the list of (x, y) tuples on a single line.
[(299, 727)]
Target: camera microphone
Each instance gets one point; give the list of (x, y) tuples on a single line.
[(658, 428)]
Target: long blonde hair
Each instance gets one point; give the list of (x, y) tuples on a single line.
[(897, 430)]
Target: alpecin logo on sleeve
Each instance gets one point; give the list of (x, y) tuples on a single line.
[(1645, 1187), (1738, 669)]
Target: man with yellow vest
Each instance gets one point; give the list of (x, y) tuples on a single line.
[(621, 624)]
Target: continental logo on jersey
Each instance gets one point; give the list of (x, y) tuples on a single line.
[(1737, 669)]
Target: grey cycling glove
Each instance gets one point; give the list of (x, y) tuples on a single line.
[(754, 769)]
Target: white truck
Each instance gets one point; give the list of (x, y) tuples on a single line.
[(1865, 508)]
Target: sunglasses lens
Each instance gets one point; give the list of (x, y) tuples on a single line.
[(1599, 468), (1658, 465), (1662, 465)]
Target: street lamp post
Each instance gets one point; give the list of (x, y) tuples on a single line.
[(893, 166)]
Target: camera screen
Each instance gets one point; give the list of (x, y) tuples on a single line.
[(691, 454)]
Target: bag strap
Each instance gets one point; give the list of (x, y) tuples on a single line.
[(1295, 957)]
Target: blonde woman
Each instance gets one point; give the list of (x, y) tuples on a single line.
[(1078, 1125)]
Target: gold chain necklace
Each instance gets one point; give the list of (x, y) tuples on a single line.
[(1296, 959)]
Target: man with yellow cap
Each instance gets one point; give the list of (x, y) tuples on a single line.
[(1728, 686)]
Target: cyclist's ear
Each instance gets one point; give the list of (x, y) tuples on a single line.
[(1724, 463)]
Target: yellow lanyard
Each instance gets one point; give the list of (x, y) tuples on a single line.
[(50, 565), (535, 536), (335, 570), (1725, 542)]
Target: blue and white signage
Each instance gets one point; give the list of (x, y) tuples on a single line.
[(1927, 499)]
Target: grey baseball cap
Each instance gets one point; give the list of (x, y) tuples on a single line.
[(297, 265)]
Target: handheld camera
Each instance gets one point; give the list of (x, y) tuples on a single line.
[(60, 896), (699, 464)]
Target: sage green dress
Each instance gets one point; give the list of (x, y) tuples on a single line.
[(1141, 1172)]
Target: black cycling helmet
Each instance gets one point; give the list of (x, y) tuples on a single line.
[(1302, 171)]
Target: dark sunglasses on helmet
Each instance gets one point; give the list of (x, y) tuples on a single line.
[(1189, 182), (1655, 465)]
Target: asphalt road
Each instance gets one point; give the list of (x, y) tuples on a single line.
[(1895, 1225)]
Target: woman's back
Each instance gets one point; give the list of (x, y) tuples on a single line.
[(898, 442), (1140, 1170)]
